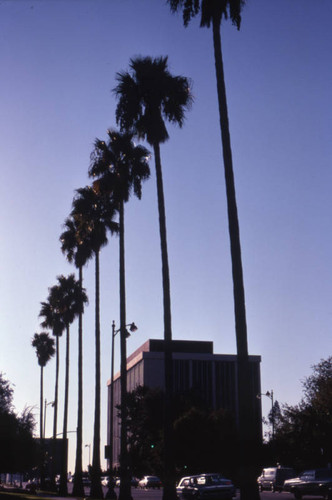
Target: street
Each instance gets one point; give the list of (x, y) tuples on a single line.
[(139, 494)]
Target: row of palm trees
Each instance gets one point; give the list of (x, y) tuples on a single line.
[(148, 96)]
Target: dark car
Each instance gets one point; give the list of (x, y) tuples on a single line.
[(311, 482), (272, 478), (205, 486)]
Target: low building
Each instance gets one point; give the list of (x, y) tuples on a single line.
[(195, 367)]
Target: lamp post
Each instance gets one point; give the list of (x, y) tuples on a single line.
[(45, 406), (132, 328), (269, 394)]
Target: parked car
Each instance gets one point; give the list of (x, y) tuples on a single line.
[(207, 486), (311, 482), (149, 482), (272, 478)]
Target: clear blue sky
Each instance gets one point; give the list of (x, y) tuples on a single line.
[(58, 63)]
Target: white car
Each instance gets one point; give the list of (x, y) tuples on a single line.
[(149, 482)]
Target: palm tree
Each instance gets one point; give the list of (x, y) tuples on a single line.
[(70, 302), (212, 13), (77, 251), (120, 167), (44, 346), (94, 215), (53, 321), (149, 95)]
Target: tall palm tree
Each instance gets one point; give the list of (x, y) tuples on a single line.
[(119, 167), (77, 251), (71, 299), (53, 321), (148, 95), (212, 12), (94, 215), (44, 346)]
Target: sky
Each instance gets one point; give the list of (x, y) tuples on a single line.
[(59, 60)]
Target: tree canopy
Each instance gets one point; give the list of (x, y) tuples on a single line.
[(303, 432), (17, 446), (205, 438)]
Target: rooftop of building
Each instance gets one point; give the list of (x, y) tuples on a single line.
[(184, 346)]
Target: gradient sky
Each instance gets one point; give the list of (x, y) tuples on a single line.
[(58, 63)]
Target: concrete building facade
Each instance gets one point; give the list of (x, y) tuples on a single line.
[(195, 367)]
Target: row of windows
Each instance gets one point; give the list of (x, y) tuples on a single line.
[(214, 381)]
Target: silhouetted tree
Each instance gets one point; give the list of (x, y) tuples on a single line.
[(303, 435), (148, 96), (204, 438), (119, 167), (78, 251), (52, 320), (94, 215), (212, 12), (44, 346), (70, 302), (19, 451)]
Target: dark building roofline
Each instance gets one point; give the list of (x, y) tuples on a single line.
[(187, 346)]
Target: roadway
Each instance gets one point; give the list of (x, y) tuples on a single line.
[(139, 494)]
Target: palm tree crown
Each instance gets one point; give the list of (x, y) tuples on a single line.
[(74, 243), (148, 95), (72, 300), (44, 345), (210, 9), (119, 165), (93, 215), (51, 314)]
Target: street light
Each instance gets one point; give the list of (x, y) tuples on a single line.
[(46, 405), (269, 394), (132, 327)]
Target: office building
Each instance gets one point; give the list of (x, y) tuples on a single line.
[(195, 367)]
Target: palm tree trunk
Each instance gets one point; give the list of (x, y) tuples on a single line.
[(55, 420), (96, 489), (169, 492), (55, 416), (247, 439), (78, 489), (41, 430), (125, 493), (64, 461)]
